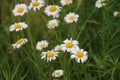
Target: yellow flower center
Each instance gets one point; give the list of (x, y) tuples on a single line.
[(53, 8), (57, 73), (35, 3), (67, 1), (53, 25), (71, 17), (117, 13), (58, 48), (69, 44), (79, 54), (103, 1), (50, 54), (42, 45), (17, 26), (19, 41), (20, 10)]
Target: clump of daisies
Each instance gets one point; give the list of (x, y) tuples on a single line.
[(36, 4), (19, 43), (57, 73), (52, 23), (49, 55), (100, 3), (42, 44), (72, 46), (18, 26), (53, 10), (66, 2), (20, 9), (116, 13), (71, 17)]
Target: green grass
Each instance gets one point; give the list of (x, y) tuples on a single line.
[(97, 31)]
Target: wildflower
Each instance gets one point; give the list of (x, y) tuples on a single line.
[(58, 48), (70, 45), (20, 10), (52, 24), (116, 13), (42, 44), (57, 73), (80, 55), (49, 55), (19, 43), (66, 2), (71, 17), (18, 26), (36, 4), (53, 10), (100, 3)]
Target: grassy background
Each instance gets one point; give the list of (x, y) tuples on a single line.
[(97, 31)]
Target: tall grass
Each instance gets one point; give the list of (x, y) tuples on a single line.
[(97, 31)]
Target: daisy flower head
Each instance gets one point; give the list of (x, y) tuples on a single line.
[(20, 9), (19, 43), (100, 3), (49, 55), (36, 4), (57, 73), (70, 45), (18, 26), (71, 17), (116, 13), (53, 10), (58, 48), (66, 2), (52, 24), (80, 55), (42, 44)]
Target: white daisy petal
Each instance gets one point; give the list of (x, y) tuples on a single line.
[(53, 10), (49, 55), (66, 2), (52, 24), (69, 45), (19, 43), (36, 4), (18, 26), (57, 73), (79, 55), (42, 44), (100, 3), (71, 17), (20, 9)]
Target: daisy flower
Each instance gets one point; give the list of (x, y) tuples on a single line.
[(36, 4), (100, 3), (53, 10), (70, 45), (20, 10), (80, 55), (18, 26), (42, 44), (19, 43), (66, 2), (71, 17), (58, 48), (49, 55), (52, 24), (57, 73), (116, 13)]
